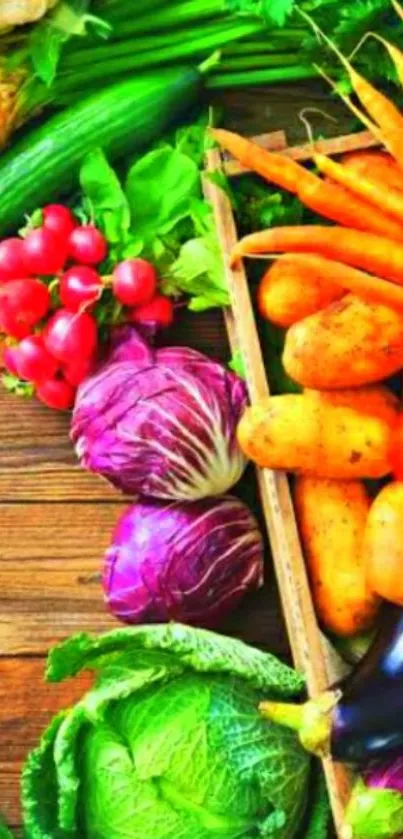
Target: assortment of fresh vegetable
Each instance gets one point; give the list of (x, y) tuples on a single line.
[(186, 734), (187, 562)]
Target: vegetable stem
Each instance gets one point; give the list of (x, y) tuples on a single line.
[(312, 720), (244, 62), (188, 46), (152, 43), (266, 76), (172, 16)]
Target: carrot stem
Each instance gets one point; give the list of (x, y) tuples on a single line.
[(381, 109)]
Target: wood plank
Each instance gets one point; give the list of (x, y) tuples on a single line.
[(27, 705), (49, 567), (334, 145)]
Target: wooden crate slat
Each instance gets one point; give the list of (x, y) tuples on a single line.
[(311, 653), (334, 145)]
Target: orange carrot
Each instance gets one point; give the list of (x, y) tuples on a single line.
[(329, 271), (351, 247), (377, 167), (376, 194), (329, 200), (381, 109)]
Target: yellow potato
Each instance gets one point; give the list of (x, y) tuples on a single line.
[(349, 344), (383, 545), (375, 400), (331, 517), (287, 293), (309, 436)]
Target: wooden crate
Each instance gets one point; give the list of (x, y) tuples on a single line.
[(312, 653)]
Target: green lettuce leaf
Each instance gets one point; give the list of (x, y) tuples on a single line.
[(159, 188), (199, 272), (105, 199)]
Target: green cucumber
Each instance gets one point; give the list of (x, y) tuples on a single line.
[(120, 119)]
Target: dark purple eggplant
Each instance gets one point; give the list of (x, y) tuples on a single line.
[(361, 717)]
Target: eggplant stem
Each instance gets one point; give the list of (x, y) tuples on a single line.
[(284, 713), (312, 721)]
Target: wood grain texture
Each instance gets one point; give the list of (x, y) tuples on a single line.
[(49, 572)]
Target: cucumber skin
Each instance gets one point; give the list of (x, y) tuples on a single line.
[(120, 119)]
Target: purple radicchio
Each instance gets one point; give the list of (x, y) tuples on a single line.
[(188, 562), (161, 423)]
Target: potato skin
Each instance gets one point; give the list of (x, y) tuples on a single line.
[(373, 400), (331, 517), (383, 544), (308, 436), (350, 344), (288, 294)]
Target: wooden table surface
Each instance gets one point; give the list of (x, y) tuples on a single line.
[(56, 520)]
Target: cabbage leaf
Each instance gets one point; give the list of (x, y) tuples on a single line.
[(168, 743)]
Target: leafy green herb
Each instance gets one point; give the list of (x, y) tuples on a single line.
[(198, 272), (160, 214), (159, 188), (20, 388), (105, 200), (237, 364), (70, 18), (257, 206)]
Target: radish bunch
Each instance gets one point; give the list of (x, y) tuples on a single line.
[(51, 303)]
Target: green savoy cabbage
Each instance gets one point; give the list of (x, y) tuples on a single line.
[(168, 743)]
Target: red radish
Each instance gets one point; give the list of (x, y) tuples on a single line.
[(87, 245), (80, 286), (34, 363), (160, 311), (23, 303), (59, 220), (12, 260), (78, 370), (10, 359), (57, 394), (44, 252), (134, 282), (71, 336)]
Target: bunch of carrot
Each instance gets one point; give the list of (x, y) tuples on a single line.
[(339, 291)]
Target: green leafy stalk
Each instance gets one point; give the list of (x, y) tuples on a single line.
[(279, 75), (173, 16), (247, 62)]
